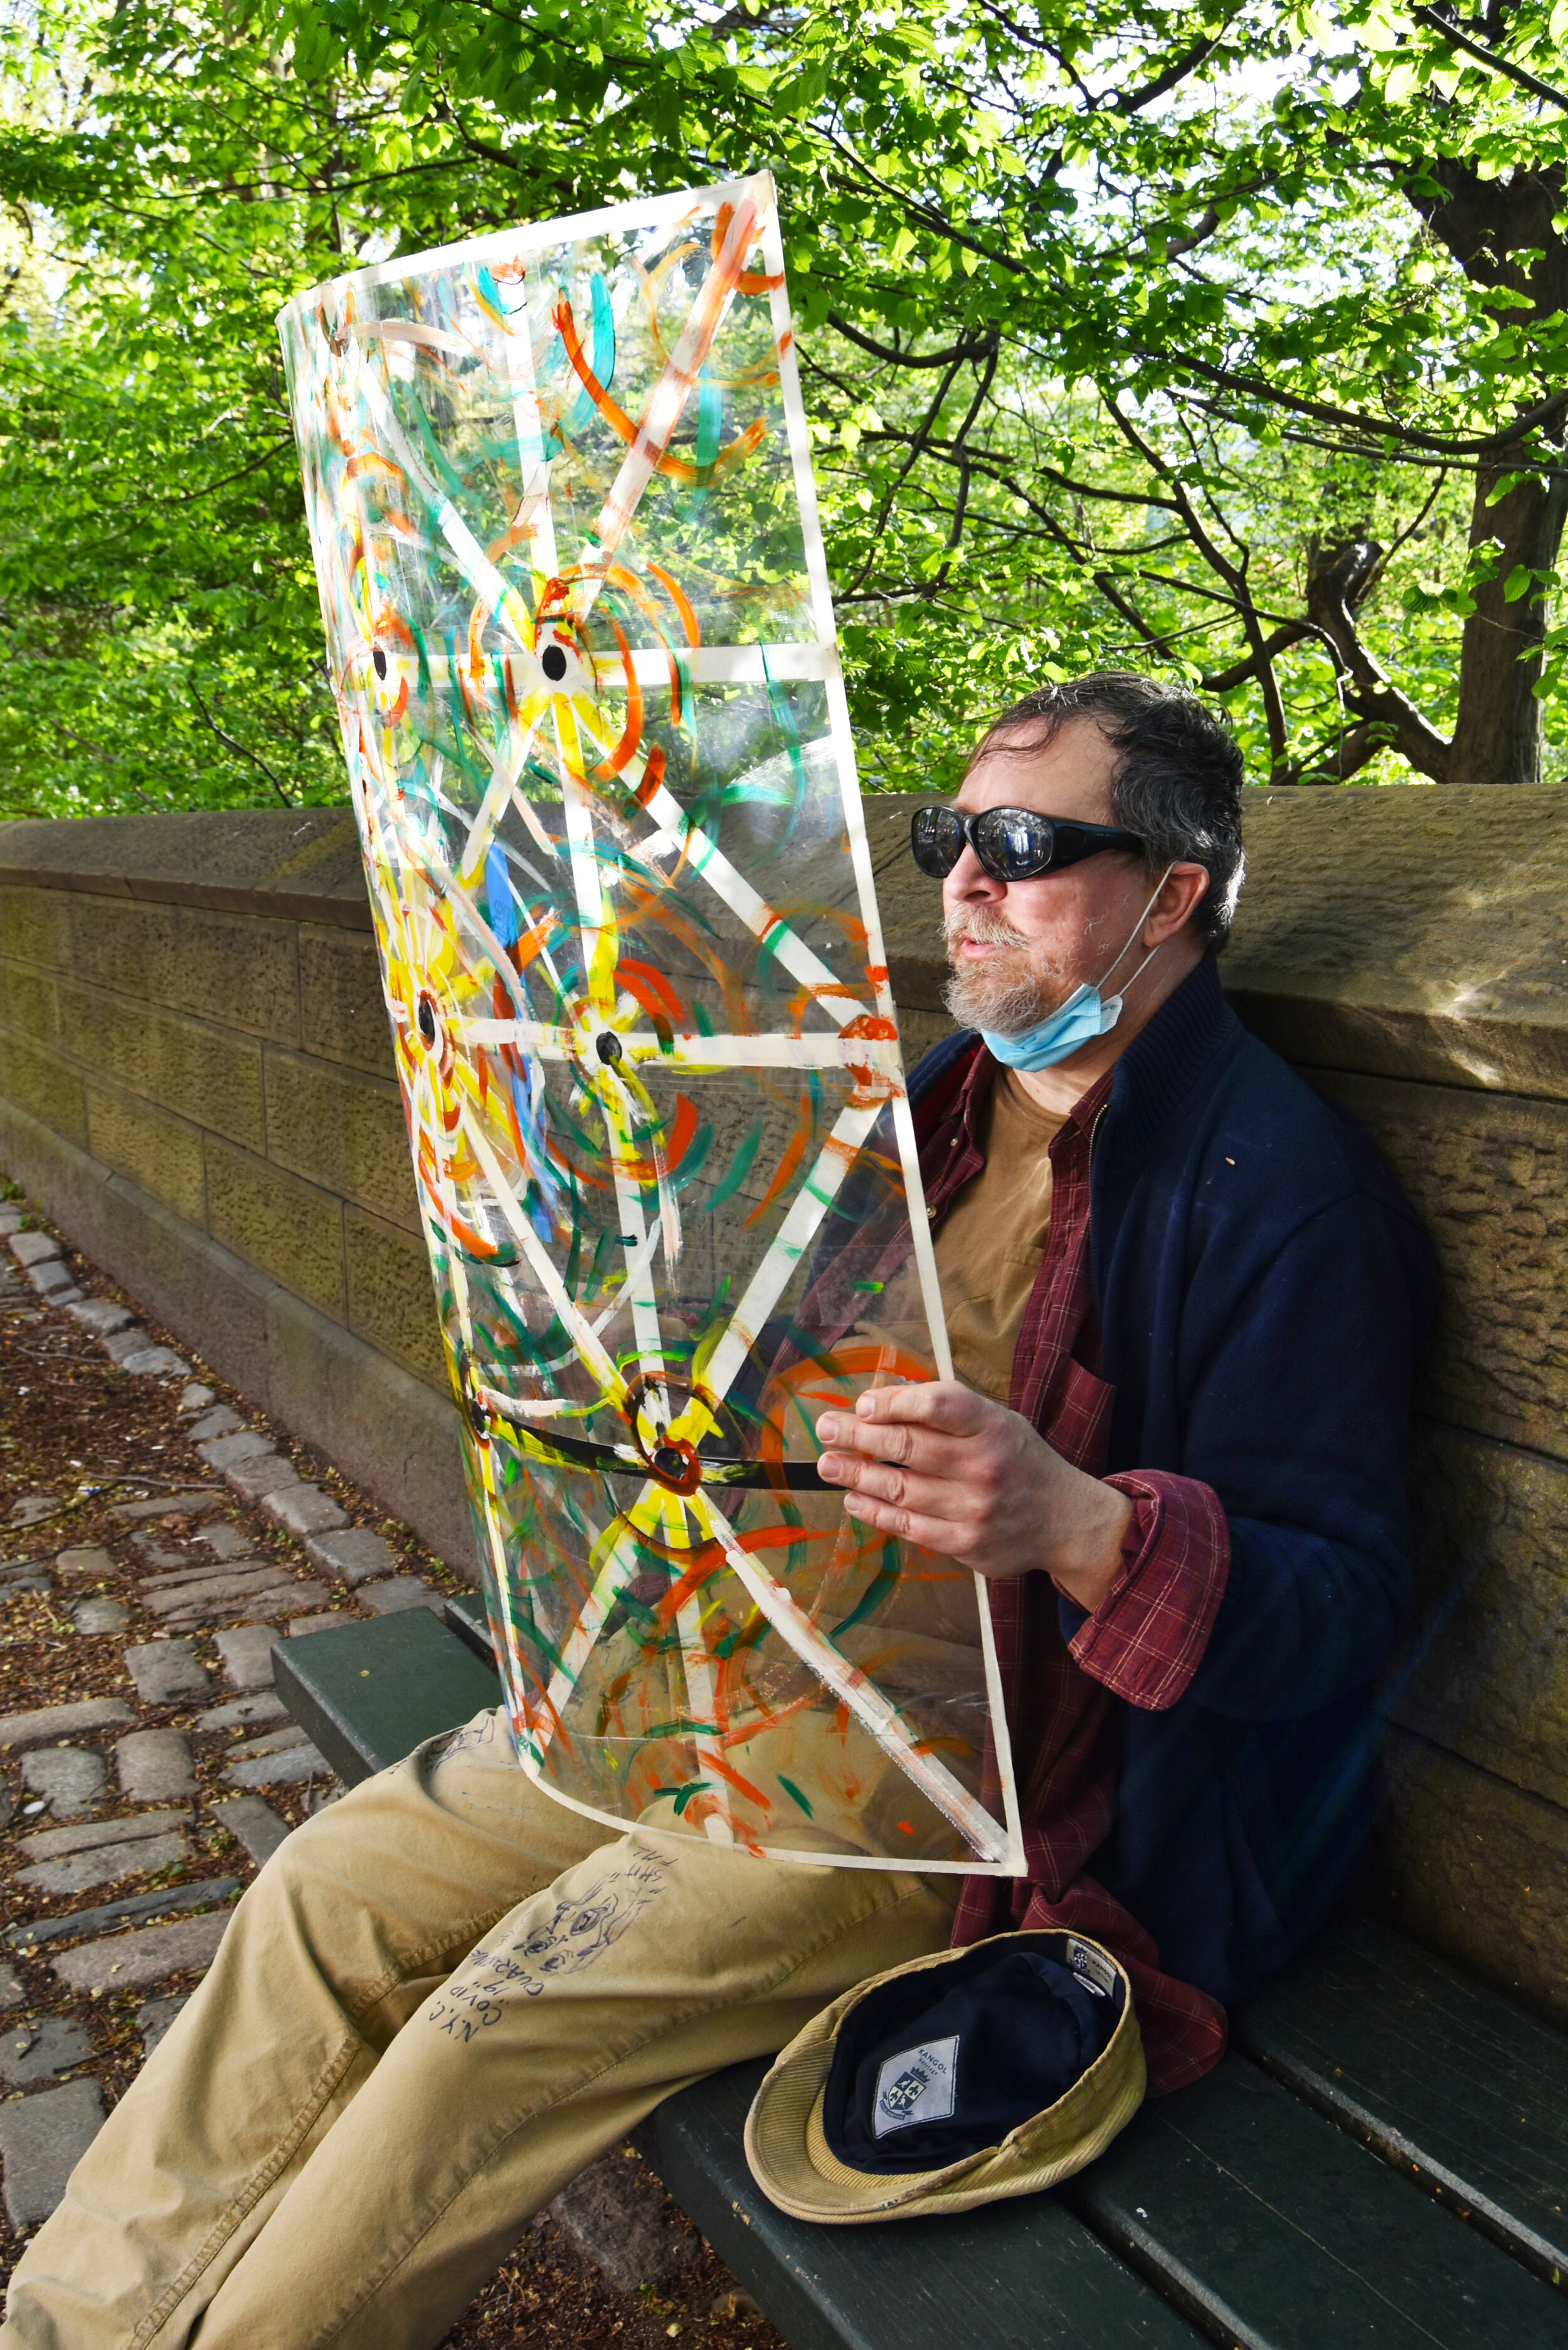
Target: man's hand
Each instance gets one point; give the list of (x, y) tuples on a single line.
[(937, 1464)]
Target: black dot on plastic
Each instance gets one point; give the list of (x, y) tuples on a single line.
[(607, 1047), (426, 1020), (380, 659), (669, 1462), (553, 661)]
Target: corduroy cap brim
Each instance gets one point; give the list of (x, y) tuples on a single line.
[(796, 2168)]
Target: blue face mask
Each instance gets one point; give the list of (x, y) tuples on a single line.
[(1083, 1016)]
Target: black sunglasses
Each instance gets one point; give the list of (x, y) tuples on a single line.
[(1013, 844)]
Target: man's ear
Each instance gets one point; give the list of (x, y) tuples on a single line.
[(1182, 891)]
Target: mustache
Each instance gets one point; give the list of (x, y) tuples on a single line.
[(980, 924)]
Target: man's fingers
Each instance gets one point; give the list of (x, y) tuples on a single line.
[(920, 1449), (932, 1497), (941, 1405), (909, 1526)]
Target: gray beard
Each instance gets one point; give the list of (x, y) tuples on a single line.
[(1008, 1000)]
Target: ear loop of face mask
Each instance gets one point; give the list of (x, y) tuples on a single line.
[(1083, 1016)]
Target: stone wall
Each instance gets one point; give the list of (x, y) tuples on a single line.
[(194, 1076)]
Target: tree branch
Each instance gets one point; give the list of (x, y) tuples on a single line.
[(1338, 578), (230, 742), (1504, 66)]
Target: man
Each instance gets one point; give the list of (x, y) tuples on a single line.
[(1184, 1300)]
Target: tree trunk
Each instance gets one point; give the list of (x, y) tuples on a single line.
[(1498, 738)]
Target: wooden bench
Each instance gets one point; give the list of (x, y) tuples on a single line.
[(1382, 2159)]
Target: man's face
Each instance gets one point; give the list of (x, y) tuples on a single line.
[(1020, 949)]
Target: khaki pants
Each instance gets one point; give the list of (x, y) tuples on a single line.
[(440, 1999)]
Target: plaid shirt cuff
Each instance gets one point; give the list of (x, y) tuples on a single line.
[(1147, 1640)]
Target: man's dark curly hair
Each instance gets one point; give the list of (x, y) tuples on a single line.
[(1178, 783)]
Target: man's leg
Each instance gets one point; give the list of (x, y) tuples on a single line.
[(649, 1962), (359, 1917)]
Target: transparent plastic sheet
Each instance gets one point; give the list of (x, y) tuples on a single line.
[(564, 530)]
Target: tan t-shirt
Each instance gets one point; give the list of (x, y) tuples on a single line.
[(989, 1243)]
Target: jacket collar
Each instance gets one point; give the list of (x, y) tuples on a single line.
[(1163, 1063)]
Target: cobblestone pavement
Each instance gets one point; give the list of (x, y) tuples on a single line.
[(157, 1538)]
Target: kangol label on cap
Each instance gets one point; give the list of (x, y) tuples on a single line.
[(916, 2085), (1092, 1966)]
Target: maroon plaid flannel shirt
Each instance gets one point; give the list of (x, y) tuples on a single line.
[(1143, 1644)]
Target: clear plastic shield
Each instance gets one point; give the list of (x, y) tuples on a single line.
[(561, 504)]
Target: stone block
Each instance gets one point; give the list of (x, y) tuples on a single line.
[(130, 1339), (265, 1473), (34, 926), (391, 1300), (239, 1711), (129, 1961), (41, 2052), (161, 1152), (291, 1229), (190, 1501), (288, 1768), (1479, 1870), (302, 1509), (226, 1540), (166, 1670), (154, 2020), (245, 1444), (195, 1397), (302, 1625), (1488, 1173), (222, 1421), (93, 1617), (54, 1281), (270, 1742), (13, 1991), (1379, 932), (31, 1002), (69, 1778), (34, 1248), (248, 1654), (95, 1561), (79, 1872), (42, 2140), (156, 1362), (353, 1554), (154, 1764), (280, 1598), (343, 1130), (171, 1595), (44, 1843), (48, 1723), (33, 1510), (254, 1824), (101, 1316), (618, 2217), (167, 1900), (237, 969), (209, 1075), (47, 1087), (398, 1592), (1485, 1671), (342, 1011)]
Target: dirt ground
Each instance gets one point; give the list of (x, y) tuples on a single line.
[(74, 1427)]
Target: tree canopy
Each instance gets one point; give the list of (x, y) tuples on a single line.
[(1222, 340)]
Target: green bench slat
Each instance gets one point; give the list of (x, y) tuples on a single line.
[(1448, 2081), (1012, 2276), (1274, 2229), (369, 1693)]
